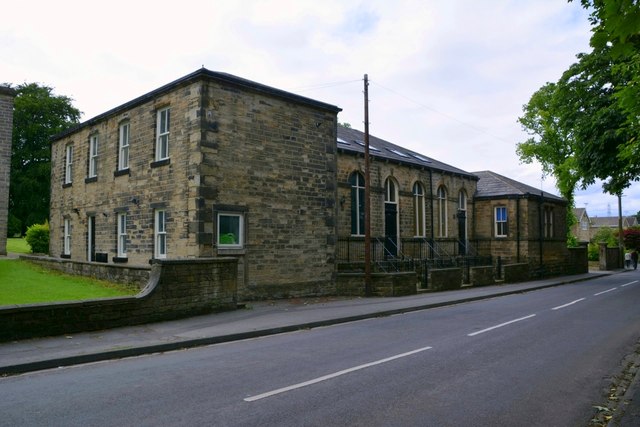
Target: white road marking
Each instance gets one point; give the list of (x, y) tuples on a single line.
[(334, 375), (567, 305), (500, 325), (604, 292), (630, 283)]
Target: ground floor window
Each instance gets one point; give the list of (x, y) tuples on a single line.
[(230, 230), (160, 232), (66, 250), (122, 236), (501, 221)]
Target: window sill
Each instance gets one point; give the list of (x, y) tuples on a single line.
[(92, 179), (65, 256), (159, 163), (120, 260), (122, 172), (231, 251), (67, 184)]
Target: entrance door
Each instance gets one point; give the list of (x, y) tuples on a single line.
[(391, 229), (462, 232), (91, 238)]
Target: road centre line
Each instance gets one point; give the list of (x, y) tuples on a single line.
[(500, 325), (604, 292), (333, 375), (568, 304), (630, 283)]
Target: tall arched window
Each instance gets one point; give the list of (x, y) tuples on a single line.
[(462, 200), (418, 209), (356, 180), (442, 211)]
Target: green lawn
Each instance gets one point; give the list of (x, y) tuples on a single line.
[(24, 283), (18, 245)]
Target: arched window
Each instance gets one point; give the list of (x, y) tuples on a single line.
[(462, 200), (390, 195), (418, 209), (442, 211), (356, 180)]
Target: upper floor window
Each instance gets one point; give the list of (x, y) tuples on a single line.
[(93, 156), (162, 134), (123, 147), (68, 165), (584, 224), (160, 233), (230, 230), (418, 209), (500, 221), (442, 211), (356, 180)]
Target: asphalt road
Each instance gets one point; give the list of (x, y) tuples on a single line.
[(541, 358)]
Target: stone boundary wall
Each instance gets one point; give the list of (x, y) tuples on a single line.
[(610, 258), (513, 273), (445, 279), (176, 288), (383, 284), (578, 262), (130, 276), (481, 276)]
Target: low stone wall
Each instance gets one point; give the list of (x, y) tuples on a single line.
[(578, 262), (445, 279), (383, 284), (481, 276), (176, 288), (513, 273), (133, 276)]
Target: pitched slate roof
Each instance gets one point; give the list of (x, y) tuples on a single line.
[(352, 141), (612, 221), (493, 185)]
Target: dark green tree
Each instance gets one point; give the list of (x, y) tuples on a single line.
[(38, 115)]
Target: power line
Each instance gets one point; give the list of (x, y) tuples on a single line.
[(323, 85)]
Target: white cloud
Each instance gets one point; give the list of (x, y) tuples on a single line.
[(448, 78)]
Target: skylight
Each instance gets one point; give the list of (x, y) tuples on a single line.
[(371, 147), (399, 153), (342, 141), (422, 159)]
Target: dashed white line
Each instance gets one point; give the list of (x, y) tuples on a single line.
[(630, 283), (568, 304), (604, 292), (500, 325), (334, 375)]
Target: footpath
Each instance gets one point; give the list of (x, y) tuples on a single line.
[(258, 319)]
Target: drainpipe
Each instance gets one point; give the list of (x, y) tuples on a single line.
[(518, 230)]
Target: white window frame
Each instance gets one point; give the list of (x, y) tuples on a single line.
[(548, 222), (239, 243), (357, 202), (163, 127), (122, 235), (500, 224), (66, 245), (160, 233), (419, 210), (442, 212), (93, 156), (123, 146), (68, 164)]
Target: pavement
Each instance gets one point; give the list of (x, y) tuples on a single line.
[(258, 319)]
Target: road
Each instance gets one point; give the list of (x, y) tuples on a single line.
[(543, 358)]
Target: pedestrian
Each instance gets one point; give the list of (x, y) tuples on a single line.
[(634, 259), (627, 260)]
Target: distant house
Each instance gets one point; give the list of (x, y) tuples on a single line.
[(582, 228), (598, 223), (520, 224)]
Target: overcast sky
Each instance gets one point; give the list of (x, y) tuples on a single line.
[(448, 77)]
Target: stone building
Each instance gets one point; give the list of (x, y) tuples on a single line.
[(6, 129), (520, 224), (582, 228), (207, 165)]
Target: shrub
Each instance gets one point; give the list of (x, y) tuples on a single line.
[(593, 252), (38, 237)]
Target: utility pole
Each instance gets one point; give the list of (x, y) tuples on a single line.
[(620, 231), (367, 195)]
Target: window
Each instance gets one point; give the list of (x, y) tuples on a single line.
[(66, 246), (162, 132), (418, 209), (160, 233), (123, 147), (548, 222), (230, 230), (122, 236), (501, 221), (584, 224), (93, 156), (442, 212), (357, 203), (68, 165), (462, 200)]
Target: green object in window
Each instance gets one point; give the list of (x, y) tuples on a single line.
[(228, 239)]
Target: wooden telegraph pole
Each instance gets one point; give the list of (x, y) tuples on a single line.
[(367, 195)]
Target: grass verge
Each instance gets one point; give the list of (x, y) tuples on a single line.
[(18, 245), (24, 283)]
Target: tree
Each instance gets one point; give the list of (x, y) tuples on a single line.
[(38, 115)]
